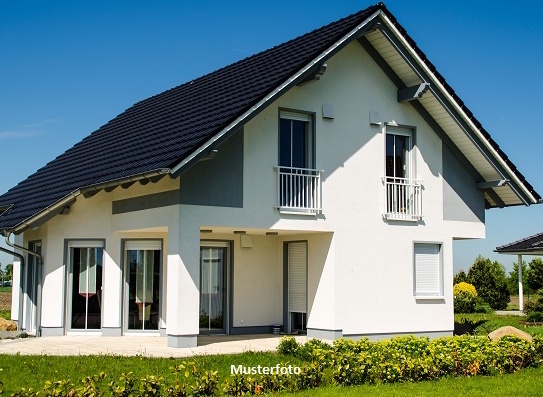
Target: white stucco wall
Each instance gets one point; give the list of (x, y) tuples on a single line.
[(364, 282), (92, 219), (360, 271)]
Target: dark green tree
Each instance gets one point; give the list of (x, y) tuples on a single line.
[(535, 274), (460, 277), (9, 271), (512, 281), (490, 281)]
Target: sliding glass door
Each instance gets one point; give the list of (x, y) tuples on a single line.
[(213, 261), (142, 285), (85, 285)]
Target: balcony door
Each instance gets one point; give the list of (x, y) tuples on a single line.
[(296, 149), (299, 182)]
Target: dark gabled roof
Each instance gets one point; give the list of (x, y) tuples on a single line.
[(159, 132), (162, 133), (526, 245)]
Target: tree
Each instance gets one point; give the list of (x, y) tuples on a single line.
[(460, 277), (490, 281), (535, 274), (9, 271), (512, 281)]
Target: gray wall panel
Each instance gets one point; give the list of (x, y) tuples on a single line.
[(217, 182), (462, 201)]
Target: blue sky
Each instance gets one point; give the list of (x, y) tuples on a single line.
[(69, 67)]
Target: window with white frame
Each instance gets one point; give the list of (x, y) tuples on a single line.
[(428, 270), (299, 184), (402, 190)]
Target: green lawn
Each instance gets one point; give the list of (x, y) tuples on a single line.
[(487, 323), (6, 289), (33, 371)]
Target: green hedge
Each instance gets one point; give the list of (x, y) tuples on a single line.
[(410, 359), (346, 362)]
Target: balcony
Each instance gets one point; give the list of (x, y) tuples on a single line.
[(299, 191), (403, 199)]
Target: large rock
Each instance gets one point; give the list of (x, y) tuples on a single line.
[(509, 331), (7, 325)]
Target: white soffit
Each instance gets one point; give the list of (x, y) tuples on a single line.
[(442, 117)]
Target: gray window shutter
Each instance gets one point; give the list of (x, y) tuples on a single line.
[(297, 277), (427, 270)]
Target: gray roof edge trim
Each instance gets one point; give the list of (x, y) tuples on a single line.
[(131, 178), (239, 121), (459, 109), (17, 229)]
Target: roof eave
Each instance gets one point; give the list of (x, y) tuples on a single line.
[(54, 209), (522, 191)]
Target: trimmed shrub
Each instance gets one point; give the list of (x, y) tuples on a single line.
[(465, 298)]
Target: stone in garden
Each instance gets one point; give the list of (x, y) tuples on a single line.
[(7, 325), (509, 331)]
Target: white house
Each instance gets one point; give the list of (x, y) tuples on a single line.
[(318, 185)]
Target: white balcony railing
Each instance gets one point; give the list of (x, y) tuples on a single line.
[(299, 190), (403, 198)]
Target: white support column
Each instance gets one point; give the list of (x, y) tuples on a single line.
[(183, 278), (520, 292)]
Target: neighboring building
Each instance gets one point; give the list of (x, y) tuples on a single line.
[(531, 245), (318, 185)]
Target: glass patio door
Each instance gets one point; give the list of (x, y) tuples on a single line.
[(212, 289), (32, 276), (85, 285), (142, 290)]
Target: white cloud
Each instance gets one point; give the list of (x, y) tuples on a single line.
[(17, 134), (40, 123)]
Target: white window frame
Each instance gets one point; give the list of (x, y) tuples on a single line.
[(410, 133), (438, 291)]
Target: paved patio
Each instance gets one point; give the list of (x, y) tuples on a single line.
[(148, 346)]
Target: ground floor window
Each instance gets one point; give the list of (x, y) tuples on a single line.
[(85, 284), (213, 276), (428, 270), (142, 293)]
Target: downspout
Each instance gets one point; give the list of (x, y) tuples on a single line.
[(38, 287), (22, 258)]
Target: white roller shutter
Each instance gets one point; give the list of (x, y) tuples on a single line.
[(427, 270), (143, 245), (297, 277)]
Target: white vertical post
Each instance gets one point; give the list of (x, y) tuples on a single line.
[(520, 294)]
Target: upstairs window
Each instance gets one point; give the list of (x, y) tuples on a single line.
[(299, 184), (296, 149), (403, 193)]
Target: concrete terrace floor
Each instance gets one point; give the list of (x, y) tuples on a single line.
[(147, 346)]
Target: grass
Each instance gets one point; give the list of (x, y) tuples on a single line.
[(488, 322), (514, 300), (6, 289), (32, 371), (522, 383), (5, 314)]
